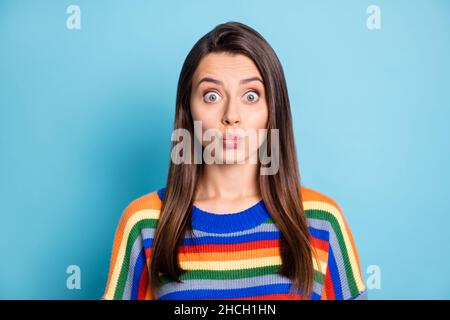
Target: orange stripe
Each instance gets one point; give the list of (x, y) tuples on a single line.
[(241, 255), (148, 293), (148, 201), (227, 256), (324, 295), (258, 244), (309, 194)]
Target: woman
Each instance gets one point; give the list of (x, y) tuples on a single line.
[(233, 221)]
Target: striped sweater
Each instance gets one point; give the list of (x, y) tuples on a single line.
[(233, 256)]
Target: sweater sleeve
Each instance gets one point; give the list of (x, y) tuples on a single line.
[(128, 277), (343, 277)]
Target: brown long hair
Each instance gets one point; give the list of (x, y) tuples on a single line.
[(281, 192)]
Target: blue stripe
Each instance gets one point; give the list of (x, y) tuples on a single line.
[(320, 234), (315, 296), (263, 235), (257, 236), (140, 263), (161, 193), (227, 293), (334, 272), (148, 243)]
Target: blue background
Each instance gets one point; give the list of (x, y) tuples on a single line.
[(86, 117)]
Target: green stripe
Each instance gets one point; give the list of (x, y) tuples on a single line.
[(319, 277), (134, 233), (327, 216), (226, 274), (233, 274)]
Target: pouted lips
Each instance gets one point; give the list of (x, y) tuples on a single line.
[(231, 141)]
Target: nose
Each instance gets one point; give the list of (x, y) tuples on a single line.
[(231, 115)]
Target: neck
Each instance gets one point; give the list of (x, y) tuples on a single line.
[(231, 182)]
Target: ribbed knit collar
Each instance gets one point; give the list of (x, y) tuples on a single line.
[(227, 222)]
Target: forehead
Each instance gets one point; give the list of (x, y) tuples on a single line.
[(225, 65)]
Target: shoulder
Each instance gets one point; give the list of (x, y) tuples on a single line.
[(326, 220), (314, 199), (138, 221), (330, 231), (327, 223), (323, 212), (142, 210)]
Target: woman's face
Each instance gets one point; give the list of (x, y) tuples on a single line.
[(228, 97)]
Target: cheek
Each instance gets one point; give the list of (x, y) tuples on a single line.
[(195, 110), (209, 120), (210, 116), (257, 119)]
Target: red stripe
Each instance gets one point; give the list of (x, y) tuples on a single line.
[(143, 284), (259, 244), (319, 243)]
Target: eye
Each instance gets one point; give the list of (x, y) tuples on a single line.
[(252, 96), (211, 97)]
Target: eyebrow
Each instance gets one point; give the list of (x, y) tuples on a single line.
[(243, 81)]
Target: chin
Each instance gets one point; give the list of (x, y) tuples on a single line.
[(234, 158)]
